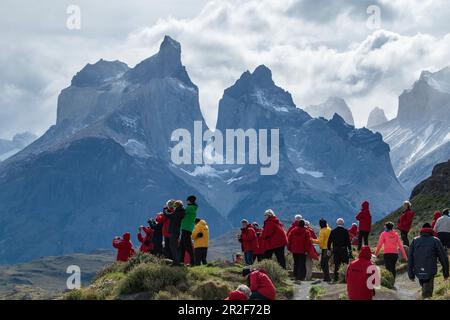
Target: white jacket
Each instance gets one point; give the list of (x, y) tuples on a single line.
[(442, 224)]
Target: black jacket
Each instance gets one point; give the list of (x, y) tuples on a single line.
[(339, 239), (423, 254), (175, 220)]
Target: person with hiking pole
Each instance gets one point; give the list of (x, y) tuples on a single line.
[(423, 254), (390, 242), (249, 241), (442, 228), (339, 244), (365, 224), (405, 222), (274, 237), (324, 234), (175, 218), (187, 226)]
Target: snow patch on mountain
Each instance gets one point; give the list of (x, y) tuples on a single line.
[(315, 174)]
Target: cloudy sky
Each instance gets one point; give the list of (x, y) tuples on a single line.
[(365, 51)]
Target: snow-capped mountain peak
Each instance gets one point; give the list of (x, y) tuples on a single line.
[(331, 106)]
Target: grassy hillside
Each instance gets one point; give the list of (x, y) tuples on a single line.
[(147, 277)]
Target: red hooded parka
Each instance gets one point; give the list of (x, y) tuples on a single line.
[(146, 241), (124, 247), (358, 275), (406, 220), (261, 283), (273, 234), (249, 239), (364, 217)]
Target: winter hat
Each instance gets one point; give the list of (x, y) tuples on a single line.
[(365, 253), (407, 203), (445, 212), (191, 199), (269, 212), (298, 217), (244, 221), (246, 272), (340, 222)]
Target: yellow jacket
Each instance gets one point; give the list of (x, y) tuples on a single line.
[(324, 234), (201, 242)]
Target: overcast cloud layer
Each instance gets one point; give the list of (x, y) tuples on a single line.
[(315, 48)]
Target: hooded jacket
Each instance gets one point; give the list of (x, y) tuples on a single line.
[(165, 222), (436, 216), (147, 240), (423, 254), (260, 282), (236, 295), (391, 243), (299, 240), (175, 220), (273, 234), (364, 217), (188, 222), (293, 225), (201, 228), (358, 275), (249, 239), (124, 247), (406, 220), (261, 243)]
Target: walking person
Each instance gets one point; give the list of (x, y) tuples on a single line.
[(405, 222), (324, 234), (249, 241), (339, 244), (200, 236), (299, 243), (358, 275), (442, 228), (365, 224), (187, 226), (311, 253), (274, 237), (390, 242), (294, 224), (423, 254), (174, 229)]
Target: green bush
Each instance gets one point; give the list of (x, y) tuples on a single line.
[(75, 294), (276, 273), (387, 279), (151, 278), (168, 295), (211, 290), (316, 292), (136, 260), (83, 294)]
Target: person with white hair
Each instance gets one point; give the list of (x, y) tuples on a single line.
[(339, 243), (294, 224), (242, 292), (274, 237)]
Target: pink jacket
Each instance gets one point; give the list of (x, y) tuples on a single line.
[(391, 243)]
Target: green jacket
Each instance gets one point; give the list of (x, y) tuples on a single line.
[(188, 222)]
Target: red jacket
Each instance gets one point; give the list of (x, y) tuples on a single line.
[(261, 283), (273, 234), (236, 295), (162, 219), (299, 240), (124, 247), (312, 232), (353, 233), (436, 216), (261, 243), (249, 239), (293, 225), (406, 220), (365, 218), (146, 242), (357, 276)]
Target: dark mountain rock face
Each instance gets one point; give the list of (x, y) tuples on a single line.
[(105, 166), (437, 183)]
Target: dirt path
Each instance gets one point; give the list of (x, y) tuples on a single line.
[(405, 289)]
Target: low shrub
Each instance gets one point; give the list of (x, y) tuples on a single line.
[(151, 278), (316, 292), (273, 270), (211, 290), (387, 279)]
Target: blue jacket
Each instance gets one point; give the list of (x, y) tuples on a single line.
[(423, 254)]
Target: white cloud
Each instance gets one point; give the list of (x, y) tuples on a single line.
[(315, 48)]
